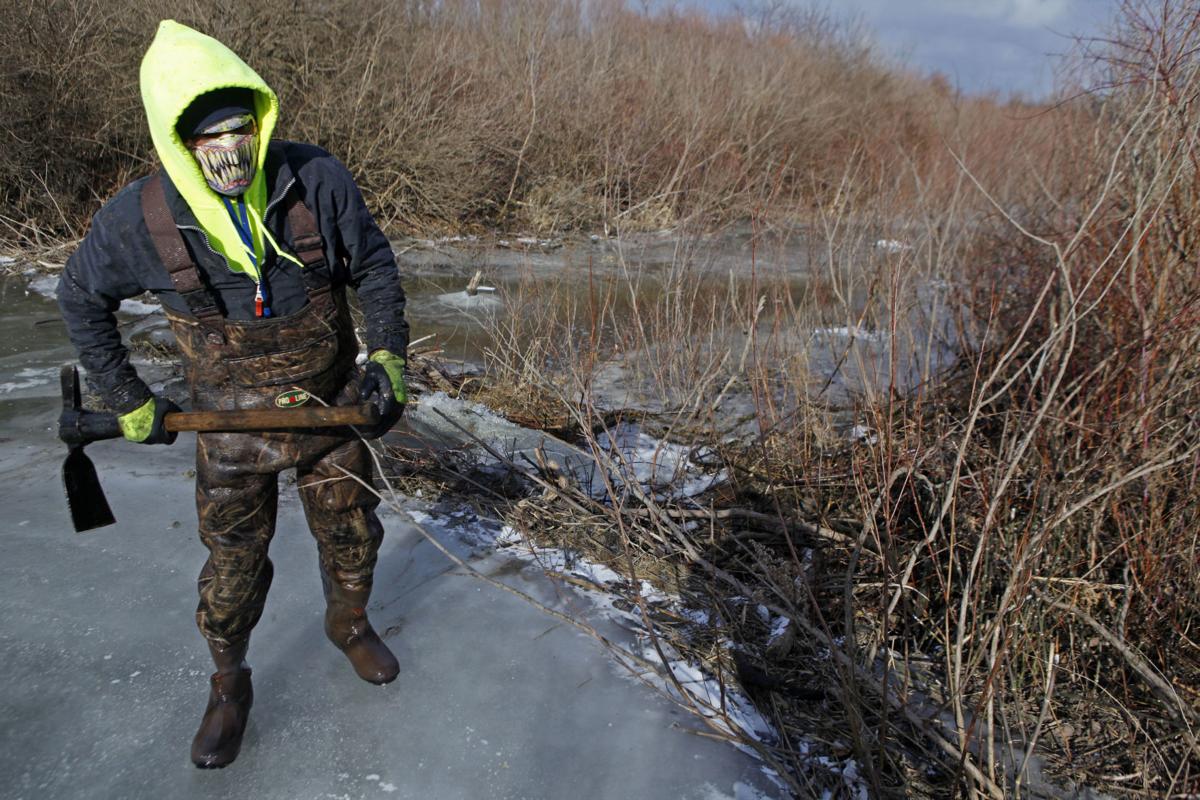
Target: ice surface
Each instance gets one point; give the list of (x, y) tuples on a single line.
[(107, 676), (731, 710), (657, 466), (485, 301), (854, 361), (135, 307), (446, 421), (630, 456), (28, 378), (47, 286), (44, 285), (850, 332), (495, 699)]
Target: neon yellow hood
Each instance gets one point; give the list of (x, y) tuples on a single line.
[(180, 65)]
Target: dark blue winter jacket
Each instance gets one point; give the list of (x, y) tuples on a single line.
[(117, 260)]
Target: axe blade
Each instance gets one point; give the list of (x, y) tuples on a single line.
[(85, 498)]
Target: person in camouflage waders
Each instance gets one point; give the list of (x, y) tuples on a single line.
[(249, 244)]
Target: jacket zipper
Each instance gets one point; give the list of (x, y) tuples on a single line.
[(204, 235), (260, 310), (278, 197), (270, 205)]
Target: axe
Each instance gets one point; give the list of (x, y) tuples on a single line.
[(78, 427)]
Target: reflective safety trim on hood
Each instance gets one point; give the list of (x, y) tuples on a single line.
[(180, 65)]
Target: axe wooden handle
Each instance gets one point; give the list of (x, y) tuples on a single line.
[(267, 419)]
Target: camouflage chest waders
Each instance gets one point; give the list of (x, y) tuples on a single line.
[(235, 364)]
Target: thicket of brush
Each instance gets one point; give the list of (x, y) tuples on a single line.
[(1000, 574), (546, 114)]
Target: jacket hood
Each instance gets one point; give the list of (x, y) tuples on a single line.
[(180, 65)]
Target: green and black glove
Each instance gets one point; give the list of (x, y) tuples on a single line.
[(145, 423), (383, 385)]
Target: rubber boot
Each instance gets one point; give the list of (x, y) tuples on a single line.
[(220, 736), (347, 627)]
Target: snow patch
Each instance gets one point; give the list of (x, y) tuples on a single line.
[(851, 332), (8, 387), (778, 628), (710, 696), (139, 308), (658, 467), (507, 535), (465, 302), (47, 286), (28, 378), (861, 433), (458, 409)]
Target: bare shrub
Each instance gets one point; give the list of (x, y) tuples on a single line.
[(542, 113), (995, 572)]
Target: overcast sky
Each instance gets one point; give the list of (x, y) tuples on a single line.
[(980, 45)]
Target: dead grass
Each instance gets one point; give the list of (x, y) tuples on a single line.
[(547, 114)]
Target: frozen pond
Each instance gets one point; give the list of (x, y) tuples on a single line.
[(846, 357), (107, 675)]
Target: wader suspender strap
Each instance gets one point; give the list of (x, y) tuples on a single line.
[(174, 256), (307, 244)]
